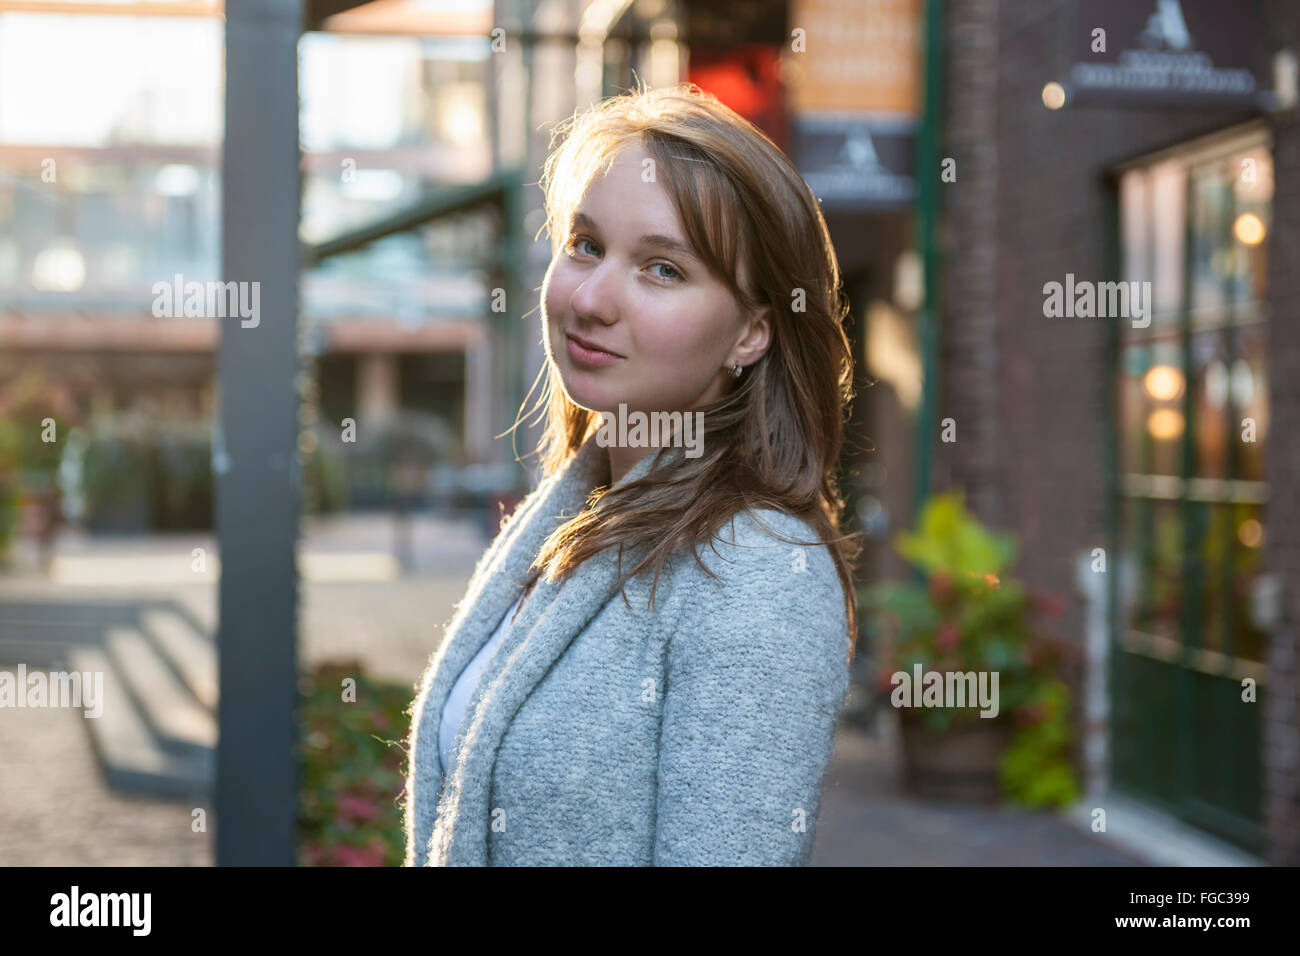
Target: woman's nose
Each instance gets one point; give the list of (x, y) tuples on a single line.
[(596, 297)]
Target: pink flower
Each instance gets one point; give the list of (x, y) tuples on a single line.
[(357, 809), (372, 854)]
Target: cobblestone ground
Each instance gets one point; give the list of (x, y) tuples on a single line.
[(868, 820), (56, 810)]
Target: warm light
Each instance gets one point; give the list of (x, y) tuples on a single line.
[(1163, 382), (1249, 229), (1053, 96), (891, 352), (1250, 533), (60, 268), (1165, 424), (462, 115)]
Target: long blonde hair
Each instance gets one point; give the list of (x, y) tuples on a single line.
[(774, 439)]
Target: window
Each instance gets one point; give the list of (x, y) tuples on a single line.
[(1193, 396)]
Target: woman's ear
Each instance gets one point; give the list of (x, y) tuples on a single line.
[(756, 337)]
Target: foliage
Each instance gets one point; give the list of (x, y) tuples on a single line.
[(951, 541), (143, 473), (350, 775), (1034, 770), (26, 403), (27, 461), (324, 479), (967, 614), (8, 483)]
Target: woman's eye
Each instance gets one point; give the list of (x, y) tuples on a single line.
[(674, 273), (577, 243)]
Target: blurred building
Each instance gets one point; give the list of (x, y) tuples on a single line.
[(1161, 150), (423, 132), (110, 184)]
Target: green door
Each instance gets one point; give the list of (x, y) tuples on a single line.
[(1188, 680)]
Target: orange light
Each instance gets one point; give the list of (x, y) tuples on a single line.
[(1250, 533), (1165, 424), (1249, 229), (1163, 382)]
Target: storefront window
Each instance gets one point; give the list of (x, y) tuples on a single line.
[(1193, 394)]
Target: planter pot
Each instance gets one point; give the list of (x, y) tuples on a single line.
[(959, 764)]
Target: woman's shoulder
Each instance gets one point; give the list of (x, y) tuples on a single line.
[(767, 538), (774, 597), (770, 561)]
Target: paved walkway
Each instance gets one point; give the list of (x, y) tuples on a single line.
[(56, 810), (868, 820)]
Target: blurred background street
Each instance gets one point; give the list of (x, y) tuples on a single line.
[(366, 610), (211, 491)]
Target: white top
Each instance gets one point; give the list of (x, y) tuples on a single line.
[(453, 711)]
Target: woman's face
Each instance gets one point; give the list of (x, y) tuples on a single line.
[(627, 284)]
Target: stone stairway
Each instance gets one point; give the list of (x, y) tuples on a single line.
[(157, 735)]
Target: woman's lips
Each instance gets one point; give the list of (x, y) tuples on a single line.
[(587, 356)]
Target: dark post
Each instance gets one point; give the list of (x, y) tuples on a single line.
[(258, 476), (927, 216)]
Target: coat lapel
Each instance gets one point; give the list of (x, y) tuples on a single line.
[(552, 617)]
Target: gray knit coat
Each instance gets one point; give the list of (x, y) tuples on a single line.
[(603, 735)]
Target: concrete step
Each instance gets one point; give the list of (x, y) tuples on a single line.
[(190, 654), (128, 752), (174, 715)]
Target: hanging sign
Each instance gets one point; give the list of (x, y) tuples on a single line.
[(1197, 53)]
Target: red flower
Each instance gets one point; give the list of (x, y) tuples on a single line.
[(357, 809), (942, 590), (947, 638)]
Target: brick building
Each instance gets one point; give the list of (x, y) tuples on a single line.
[(1084, 433)]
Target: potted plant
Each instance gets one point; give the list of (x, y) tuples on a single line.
[(963, 614)]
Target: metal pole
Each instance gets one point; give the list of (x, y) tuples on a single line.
[(927, 214), (256, 454)]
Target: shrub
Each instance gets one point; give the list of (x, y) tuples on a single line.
[(351, 764), (965, 613)]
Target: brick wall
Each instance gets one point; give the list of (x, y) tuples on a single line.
[(1282, 548), (1028, 392)]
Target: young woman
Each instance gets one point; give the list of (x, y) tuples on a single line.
[(581, 709)]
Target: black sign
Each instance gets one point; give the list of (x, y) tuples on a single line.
[(1200, 53), (857, 162)]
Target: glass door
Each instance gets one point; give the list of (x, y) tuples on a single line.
[(1193, 425)]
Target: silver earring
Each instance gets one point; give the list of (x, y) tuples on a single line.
[(736, 370)]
